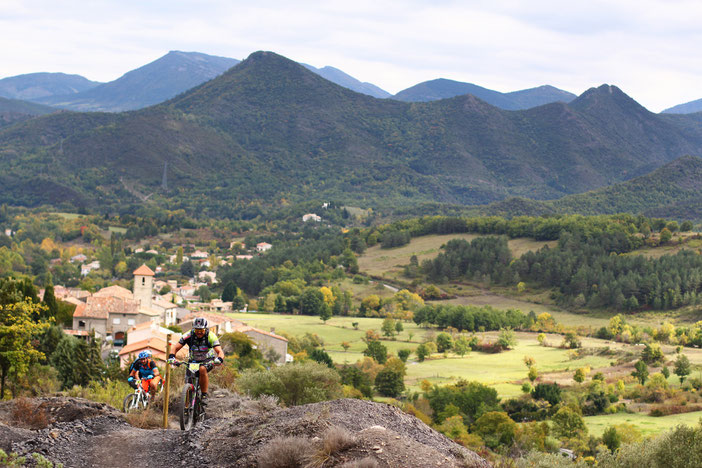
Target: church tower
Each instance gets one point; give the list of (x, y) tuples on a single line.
[(143, 285)]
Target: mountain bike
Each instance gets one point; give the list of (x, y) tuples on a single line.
[(192, 409), (138, 400)]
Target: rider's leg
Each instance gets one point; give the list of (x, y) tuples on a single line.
[(204, 380)]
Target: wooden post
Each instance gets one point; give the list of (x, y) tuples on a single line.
[(168, 382)]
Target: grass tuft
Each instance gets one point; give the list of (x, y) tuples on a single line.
[(285, 452)]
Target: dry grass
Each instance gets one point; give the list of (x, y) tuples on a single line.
[(29, 415), (285, 452), (335, 440), (147, 419)]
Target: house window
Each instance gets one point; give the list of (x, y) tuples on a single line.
[(131, 321), (81, 324), (115, 321), (143, 281)]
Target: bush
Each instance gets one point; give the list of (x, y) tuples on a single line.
[(550, 392), (389, 382), (29, 415), (285, 452), (294, 384)]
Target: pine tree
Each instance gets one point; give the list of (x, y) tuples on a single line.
[(50, 301)]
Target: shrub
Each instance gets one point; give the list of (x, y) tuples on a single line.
[(550, 392), (389, 382), (285, 452), (29, 415), (294, 384)]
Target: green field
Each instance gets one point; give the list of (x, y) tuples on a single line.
[(648, 425), (505, 371)]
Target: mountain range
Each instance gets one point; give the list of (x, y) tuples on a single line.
[(268, 130), (686, 108), (177, 71), (442, 89)]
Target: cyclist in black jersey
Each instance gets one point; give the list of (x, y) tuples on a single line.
[(204, 348)]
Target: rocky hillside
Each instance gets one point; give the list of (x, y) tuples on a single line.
[(241, 432)]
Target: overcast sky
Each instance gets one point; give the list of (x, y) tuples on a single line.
[(649, 48)]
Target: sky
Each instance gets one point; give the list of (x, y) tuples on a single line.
[(648, 48)]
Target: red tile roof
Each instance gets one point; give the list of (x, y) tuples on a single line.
[(143, 271)]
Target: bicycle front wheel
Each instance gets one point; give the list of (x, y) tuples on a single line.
[(131, 403), (187, 413)]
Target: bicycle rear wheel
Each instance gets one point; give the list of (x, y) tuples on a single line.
[(187, 413)]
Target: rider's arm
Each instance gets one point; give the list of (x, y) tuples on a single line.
[(219, 352)]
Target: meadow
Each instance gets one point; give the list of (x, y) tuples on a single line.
[(504, 371)]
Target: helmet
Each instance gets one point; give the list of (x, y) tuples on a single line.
[(200, 322), (145, 354)]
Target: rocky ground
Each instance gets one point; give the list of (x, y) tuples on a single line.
[(240, 432)]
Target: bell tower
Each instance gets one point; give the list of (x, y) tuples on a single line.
[(143, 285)]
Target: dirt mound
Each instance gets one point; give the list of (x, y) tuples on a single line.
[(382, 432), (37, 413), (340, 433)]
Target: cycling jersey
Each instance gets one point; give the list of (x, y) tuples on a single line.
[(145, 367), (201, 349)]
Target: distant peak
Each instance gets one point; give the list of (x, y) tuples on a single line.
[(604, 95)]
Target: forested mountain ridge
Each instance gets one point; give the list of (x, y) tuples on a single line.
[(15, 110), (672, 191), (268, 129)]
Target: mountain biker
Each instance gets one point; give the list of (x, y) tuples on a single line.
[(144, 368), (204, 348)]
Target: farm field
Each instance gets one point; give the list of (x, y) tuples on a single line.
[(504, 371), (648, 425)]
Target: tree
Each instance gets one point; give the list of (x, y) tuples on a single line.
[(641, 372), (388, 327), (376, 350), (550, 392), (229, 292), (682, 367), (389, 382), (322, 357), (422, 352), (17, 330), (611, 438), (204, 293), (280, 305), (444, 342), (652, 353), (403, 354), (187, 269), (238, 303), (496, 428), (311, 301), (579, 375), (325, 313), (50, 301), (666, 235), (568, 424), (346, 345), (665, 371), (507, 339), (533, 374), (461, 346)]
